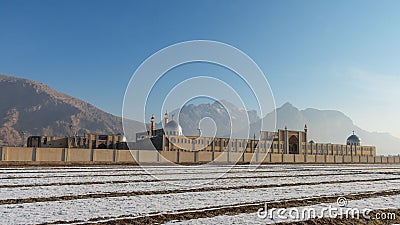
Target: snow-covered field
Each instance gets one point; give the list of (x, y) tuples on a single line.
[(79, 194), (391, 202)]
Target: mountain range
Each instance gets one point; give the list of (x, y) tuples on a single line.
[(227, 117), (31, 108)]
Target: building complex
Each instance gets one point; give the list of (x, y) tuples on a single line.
[(283, 141)]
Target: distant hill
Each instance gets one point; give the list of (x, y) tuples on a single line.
[(220, 112), (31, 108)]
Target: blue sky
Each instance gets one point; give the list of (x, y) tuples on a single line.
[(341, 55)]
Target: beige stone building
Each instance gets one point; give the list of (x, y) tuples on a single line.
[(88, 141)]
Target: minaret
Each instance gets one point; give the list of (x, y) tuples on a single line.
[(153, 126), (286, 139), (305, 131), (165, 118)]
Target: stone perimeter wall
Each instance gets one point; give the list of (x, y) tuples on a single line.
[(60, 156)]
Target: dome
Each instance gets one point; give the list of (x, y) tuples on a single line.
[(353, 140), (173, 128)]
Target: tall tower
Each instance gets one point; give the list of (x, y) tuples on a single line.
[(305, 131), (153, 126), (165, 118), (286, 143)]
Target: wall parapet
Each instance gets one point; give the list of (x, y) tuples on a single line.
[(68, 156)]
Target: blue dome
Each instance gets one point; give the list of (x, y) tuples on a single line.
[(353, 140)]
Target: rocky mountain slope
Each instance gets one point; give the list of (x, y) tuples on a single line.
[(31, 108)]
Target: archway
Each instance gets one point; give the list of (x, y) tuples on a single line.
[(293, 145), (102, 146)]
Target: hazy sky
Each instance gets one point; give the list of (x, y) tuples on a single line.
[(341, 55)]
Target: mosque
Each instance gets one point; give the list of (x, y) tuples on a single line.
[(283, 141)]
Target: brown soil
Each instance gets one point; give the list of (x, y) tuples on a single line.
[(352, 221), (156, 180), (134, 193)]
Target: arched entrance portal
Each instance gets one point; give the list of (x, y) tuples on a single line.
[(102, 146), (293, 145)]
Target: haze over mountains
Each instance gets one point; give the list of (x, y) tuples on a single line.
[(331, 126), (31, 108), (227, 117)]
